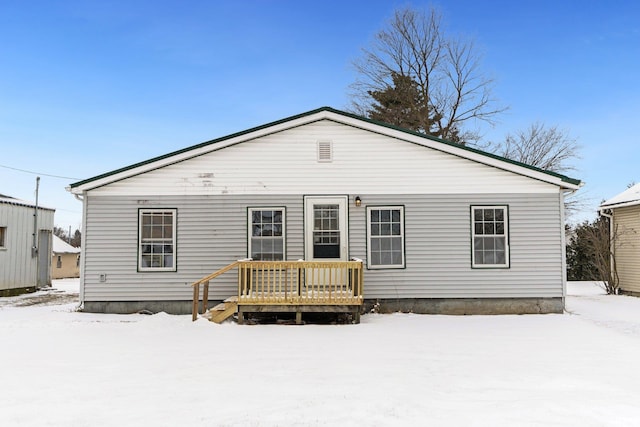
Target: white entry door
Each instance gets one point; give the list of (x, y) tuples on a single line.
[(326, 234)]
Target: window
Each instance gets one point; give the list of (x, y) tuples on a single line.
[(3, 237), (157, 240), (385, 227), (490, 236), (59, 262), (266, 234)]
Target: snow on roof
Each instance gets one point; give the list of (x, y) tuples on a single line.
[(8, 200), (629, 197), (62, 247)]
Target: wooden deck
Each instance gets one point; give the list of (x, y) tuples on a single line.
[(291, 286)]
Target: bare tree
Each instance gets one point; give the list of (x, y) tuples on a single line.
[(446, 71), (603, 242), (548, 148)]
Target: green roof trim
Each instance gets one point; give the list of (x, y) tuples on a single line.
[(563, 178)]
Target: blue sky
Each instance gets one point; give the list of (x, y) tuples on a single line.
[(87, 87)]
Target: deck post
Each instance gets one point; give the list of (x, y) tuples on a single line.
[(194, 309), (298, 317), (205, 297)]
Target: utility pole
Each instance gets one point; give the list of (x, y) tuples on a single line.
[(34, 248)]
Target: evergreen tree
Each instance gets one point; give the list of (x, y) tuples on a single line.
[(581, 256), (401, 105)]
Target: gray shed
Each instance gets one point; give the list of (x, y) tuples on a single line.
[(25, 246)]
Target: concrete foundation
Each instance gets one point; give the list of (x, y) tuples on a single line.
[(630, 293), (466, 306), (451, 306), (128, 307)]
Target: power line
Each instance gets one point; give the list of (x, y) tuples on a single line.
[(38, 173)]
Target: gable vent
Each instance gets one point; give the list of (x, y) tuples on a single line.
[(325, 151)]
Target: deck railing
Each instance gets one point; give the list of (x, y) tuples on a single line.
[(300, 282), (290, 283)]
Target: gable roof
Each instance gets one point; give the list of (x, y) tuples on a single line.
[(62, 247), (629, 197), (327, 113)]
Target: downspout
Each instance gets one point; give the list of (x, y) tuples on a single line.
[(603, 212), (82, 248), (563, 250)]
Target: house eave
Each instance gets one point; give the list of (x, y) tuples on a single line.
[(620, 205)]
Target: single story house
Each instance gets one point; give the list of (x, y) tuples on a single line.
[(624, 213), (438, 227), (65, 260), (25, 246)]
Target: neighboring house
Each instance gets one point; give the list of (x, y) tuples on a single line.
[(65, 260), (624, 212), (441, 228), (25, 246)]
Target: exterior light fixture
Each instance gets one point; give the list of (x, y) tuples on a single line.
[(358, 201)]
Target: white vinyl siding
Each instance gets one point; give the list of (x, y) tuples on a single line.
[(157, 240), (363, 162), (385, 246), (212, 233), (490, 236), (267, 234)]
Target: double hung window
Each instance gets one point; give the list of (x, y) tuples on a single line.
[(157, 240), (385, 229), (266, 234), (489, 231)]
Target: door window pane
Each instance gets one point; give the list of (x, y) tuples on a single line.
[(326, 232)]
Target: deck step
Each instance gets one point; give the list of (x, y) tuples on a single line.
[(222, 311)]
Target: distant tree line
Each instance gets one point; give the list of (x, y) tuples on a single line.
[(74, 239)]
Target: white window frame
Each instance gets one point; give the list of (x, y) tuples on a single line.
[(250, 235), (370, 236), (174, 215), (504, 235)]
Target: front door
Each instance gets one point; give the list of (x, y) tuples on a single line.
[(326, 228)]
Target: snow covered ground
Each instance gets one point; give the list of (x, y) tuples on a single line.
[(59, 367)]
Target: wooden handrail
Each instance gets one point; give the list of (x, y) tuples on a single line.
[(205, 292), (216, 273)]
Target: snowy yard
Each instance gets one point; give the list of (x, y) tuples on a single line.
[(64, 368)]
